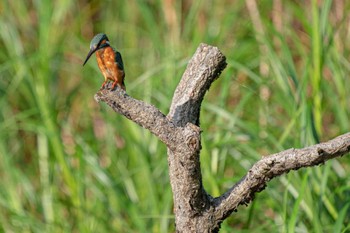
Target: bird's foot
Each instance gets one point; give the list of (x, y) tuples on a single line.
[(103, 85), (114, 84)]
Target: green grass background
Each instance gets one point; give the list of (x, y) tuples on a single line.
[(69, 164)]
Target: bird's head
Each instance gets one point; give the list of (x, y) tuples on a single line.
[(98, 42)]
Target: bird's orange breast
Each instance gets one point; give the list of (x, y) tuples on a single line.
[(109, 66), (106, 63)]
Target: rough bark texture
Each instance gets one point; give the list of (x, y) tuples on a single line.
[(195, 210)]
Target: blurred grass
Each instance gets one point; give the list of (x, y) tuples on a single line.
[(69, 164)]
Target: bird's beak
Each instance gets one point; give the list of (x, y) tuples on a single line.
[(92, 50)]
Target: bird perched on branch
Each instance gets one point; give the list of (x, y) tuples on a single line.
[(109, 60)]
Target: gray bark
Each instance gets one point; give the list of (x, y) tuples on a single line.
[(195, 210)]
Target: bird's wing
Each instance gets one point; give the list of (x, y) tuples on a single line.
[(119, 60)]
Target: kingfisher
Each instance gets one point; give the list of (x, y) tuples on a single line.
[(109, 60)]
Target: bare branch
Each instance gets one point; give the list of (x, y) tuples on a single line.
[(143, 114), (195, 210), (275, 165), (190, 198), (202, 70)]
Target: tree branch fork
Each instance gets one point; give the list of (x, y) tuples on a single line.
[(195, 210)]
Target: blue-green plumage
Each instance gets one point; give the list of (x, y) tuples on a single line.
[(98, 39)]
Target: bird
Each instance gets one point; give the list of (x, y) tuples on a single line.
[(109, 60)]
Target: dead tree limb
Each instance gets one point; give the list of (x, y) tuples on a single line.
[(275, 165), (195, 210)]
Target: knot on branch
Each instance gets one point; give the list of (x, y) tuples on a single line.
[(192, 137)]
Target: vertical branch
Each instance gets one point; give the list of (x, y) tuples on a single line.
[(190, 198)]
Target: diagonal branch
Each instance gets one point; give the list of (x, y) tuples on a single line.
[(143, 114), (203, 69), (275, 165)]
